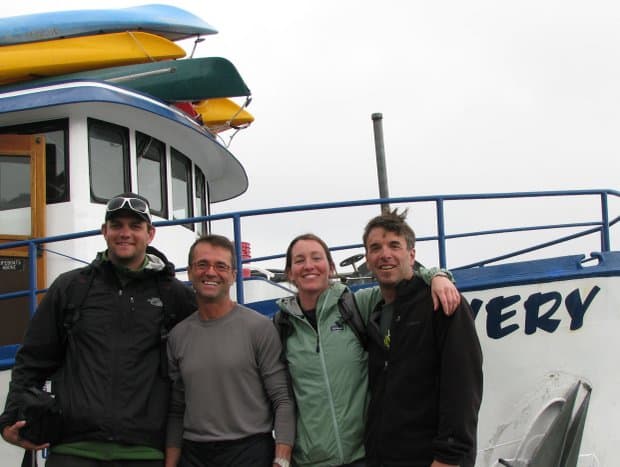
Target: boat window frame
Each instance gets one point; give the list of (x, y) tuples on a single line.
[(163, 175), (43, 128), (189, 186), (124, 132), (200, 180)]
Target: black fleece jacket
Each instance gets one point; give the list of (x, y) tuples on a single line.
[(426, 388), (106, 371)]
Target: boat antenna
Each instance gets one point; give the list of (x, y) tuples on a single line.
[(196, 42), (377, 123)]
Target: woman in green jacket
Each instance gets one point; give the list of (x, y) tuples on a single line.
[(326, 360)]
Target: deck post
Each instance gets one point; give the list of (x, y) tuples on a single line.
[(239, 265), (441, 234), (605, 241), (32, 277)]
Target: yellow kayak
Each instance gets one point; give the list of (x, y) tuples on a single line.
[(22, 62), (222, 114)]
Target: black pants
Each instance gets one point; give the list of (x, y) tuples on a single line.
[(253, 451), (416, 463), (63, 460)]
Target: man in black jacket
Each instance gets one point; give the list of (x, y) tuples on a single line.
[(105, 351), (425, 368)]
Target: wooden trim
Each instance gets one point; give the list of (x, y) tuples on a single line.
[(38, 189), (32, 146), (21, 252)]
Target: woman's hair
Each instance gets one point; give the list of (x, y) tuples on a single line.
[(312, 237)]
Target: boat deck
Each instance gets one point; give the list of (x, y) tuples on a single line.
[(544, 291)]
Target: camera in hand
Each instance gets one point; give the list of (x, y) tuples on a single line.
[(43, 416)]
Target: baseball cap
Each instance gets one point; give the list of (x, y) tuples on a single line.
[(128, 203)]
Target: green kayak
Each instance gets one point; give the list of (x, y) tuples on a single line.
[(190, 79)]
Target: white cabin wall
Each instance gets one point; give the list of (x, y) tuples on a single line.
[(174, 242), (79, 214)]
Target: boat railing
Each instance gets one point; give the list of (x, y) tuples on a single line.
[(599, 226)]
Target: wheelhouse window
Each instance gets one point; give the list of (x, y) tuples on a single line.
[(182, 206), (202, 228), (56, 133), (151, 160), (14, 182), (15, 195), (108, 153)]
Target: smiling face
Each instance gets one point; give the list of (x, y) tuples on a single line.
[(309, 267), (388, 257), (127, 237), (211, 272)]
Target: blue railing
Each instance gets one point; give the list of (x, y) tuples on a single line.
[(601, 226)]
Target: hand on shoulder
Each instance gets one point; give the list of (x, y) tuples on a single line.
[(445, 293)]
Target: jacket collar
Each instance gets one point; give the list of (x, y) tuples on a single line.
[(408, 286), (329, 297), (157, 262), (403, 288)]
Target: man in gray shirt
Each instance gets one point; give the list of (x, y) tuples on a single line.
[(230, 389)]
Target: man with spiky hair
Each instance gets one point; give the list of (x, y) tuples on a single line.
[(425, 368)]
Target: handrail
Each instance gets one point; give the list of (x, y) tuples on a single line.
[(601, 226)]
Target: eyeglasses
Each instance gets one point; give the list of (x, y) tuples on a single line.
[(135, 204), (202, 266)]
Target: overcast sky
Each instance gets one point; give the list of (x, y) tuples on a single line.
[(477, 96)]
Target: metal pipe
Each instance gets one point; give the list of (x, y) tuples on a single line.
[(377, 123), (144, 74), (605, 239)]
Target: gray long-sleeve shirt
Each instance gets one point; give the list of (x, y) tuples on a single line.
[(228, 380)]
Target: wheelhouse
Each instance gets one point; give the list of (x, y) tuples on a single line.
[(66, 149)]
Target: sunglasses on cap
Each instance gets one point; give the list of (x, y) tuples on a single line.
[(137, 205)]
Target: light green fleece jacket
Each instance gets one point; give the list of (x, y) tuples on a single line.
[(329, 373)]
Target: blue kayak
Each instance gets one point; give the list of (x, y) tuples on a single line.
[(163, 20)]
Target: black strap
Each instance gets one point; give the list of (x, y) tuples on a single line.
[(283, 324), (77, 293), (351, 315), (171, 303), (30, 458), (349, 312)]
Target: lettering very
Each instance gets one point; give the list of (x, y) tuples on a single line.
[(545, 311)]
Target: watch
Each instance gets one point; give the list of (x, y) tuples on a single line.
[(282, 462), (441, 273)]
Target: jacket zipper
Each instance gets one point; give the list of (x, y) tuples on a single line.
[(115, 364), (328, 384), (378, 443), (386, 368), (326, 379)]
